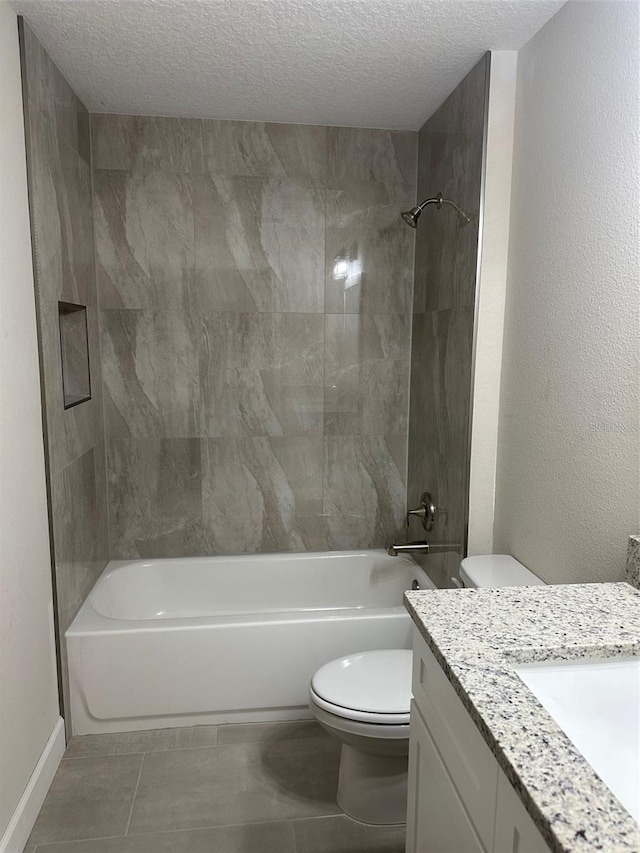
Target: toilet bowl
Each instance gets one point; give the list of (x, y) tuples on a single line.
[(363, 699)]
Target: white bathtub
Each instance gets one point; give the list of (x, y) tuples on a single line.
[(206, 640)]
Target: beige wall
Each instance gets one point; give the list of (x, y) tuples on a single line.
[(28, 690), (567, 493)]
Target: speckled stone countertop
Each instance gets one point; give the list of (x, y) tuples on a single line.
[(633, 561), (478, 635)]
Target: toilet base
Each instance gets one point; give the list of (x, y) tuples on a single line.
[(373, 788)]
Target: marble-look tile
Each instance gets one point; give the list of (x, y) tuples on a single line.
[(441, 354), (276, 837), (356, 155), (464, 109), (78, 504), (339, 834), (366, 374), (144, 238), (259, 245), (48, 92), (632, 575), (263, 494), (265, 150), (236, 783), (151, 373), (369, 250), (84, 133), (364, 490), (89, 798), (153, 740), (261, 374), (155, 498), (146, 142), (60, 195)]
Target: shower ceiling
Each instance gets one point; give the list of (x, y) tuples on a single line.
[(360, 63)]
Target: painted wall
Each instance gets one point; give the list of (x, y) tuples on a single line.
[(450, 162), (29, 693), (59, 171), (569, 439), (255, 290)]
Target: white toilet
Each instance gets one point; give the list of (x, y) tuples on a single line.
[(363, 699)]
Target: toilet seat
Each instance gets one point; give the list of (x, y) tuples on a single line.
[(367, 687)]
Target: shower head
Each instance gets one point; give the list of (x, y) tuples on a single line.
[(411, 216)]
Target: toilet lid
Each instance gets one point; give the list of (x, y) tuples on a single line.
[(375, 682)]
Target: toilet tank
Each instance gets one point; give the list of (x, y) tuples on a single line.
[(493, 570)]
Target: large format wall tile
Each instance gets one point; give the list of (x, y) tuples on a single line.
[(259, 245), (61, 214), (450, 161), (263, 494), (155, 498), (364, 490), (146, 142), (265, 150), (369, 250), (151, 373), (80, 531), (144, 238), (441, 380), (59, 175), (356, 155), (366, 368), (50, 94), (231, 261), (261, 374)]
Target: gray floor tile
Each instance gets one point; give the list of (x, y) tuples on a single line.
[(340, 834), (240, 783), (89, 798), (147, 741), (252, 838), (257, 732)]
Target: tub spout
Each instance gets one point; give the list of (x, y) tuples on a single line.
[(409, 548), (425, 548)]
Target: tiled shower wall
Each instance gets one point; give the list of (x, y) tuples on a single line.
[(450, 161), (59, 173), (255, 285)]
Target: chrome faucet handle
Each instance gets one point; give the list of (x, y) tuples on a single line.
[(426, 512)]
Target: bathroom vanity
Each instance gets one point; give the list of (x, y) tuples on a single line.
[(490, 768)]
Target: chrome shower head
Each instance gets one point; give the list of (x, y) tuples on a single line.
[(411, 216)]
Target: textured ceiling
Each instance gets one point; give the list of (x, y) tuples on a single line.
[(364, 63)]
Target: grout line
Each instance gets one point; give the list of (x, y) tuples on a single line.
[(135, 794)]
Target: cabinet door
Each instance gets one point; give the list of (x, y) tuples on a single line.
[(437, 822), (515, 831)]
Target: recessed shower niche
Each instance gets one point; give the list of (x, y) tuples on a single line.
[(74, 351)]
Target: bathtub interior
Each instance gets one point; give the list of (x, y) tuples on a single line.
[(273, 583)]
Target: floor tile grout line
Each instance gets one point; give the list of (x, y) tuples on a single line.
[(180, 749), (291, 820), (135, 794)]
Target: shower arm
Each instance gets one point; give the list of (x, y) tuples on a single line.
[(439, 201)]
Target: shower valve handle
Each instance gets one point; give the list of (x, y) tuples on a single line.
[(426, 512)]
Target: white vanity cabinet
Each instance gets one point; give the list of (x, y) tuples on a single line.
[(459, 799)]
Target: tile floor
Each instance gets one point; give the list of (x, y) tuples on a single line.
[(259, 788)]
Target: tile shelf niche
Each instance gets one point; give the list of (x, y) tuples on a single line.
[(74, 351)]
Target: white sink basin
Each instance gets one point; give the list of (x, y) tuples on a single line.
[(597, 704)]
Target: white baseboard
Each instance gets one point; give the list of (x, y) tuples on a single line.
[(19, 829)]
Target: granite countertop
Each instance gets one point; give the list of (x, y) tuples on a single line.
[(478, 635)]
